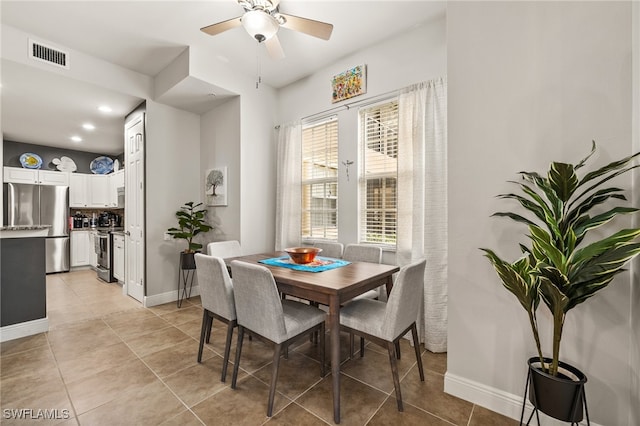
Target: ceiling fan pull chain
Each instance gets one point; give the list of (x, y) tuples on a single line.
[(257, 65), (258, 71)]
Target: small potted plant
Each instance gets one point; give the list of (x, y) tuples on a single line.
[(560, 268), (190, 223)]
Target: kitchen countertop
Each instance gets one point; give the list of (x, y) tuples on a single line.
[(24, 231)]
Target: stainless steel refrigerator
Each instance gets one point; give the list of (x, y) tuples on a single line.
[(26, 204)]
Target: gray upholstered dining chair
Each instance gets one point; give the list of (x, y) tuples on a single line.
[(224, 249), (216, 292), (329, 248), (263, 314), (385, 323), (363, 253)]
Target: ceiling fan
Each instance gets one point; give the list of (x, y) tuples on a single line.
[(262, 20)]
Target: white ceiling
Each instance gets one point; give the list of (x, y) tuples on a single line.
[(146, 36)]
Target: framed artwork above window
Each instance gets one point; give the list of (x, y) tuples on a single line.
[(350, 83)]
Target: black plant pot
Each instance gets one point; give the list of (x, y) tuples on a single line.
[(187, 260), (561, 397)]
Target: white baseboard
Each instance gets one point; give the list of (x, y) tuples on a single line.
[(505, 403), (170, 296), (24, 329)]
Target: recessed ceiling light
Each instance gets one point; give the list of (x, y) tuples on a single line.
[(76, 138), (88, 126), (104, 108)]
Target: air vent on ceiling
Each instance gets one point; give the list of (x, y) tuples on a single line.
[(42, 52)]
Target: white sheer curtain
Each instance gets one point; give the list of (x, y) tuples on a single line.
[(289, 171), (422, 200)]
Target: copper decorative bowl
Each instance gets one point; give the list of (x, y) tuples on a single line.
[(303, 255)]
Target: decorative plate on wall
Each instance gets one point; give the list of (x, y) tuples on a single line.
[(101, 165), (65, 164), (30, 160)]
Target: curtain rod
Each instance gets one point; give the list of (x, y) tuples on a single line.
[(372, 99), (354, 103)]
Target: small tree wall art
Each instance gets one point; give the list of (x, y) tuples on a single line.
[(215, 186)]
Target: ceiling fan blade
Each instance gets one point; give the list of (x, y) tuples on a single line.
[(274, 47), (221, 26), (308, 26)]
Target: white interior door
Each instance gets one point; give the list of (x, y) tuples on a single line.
[(134, 208)]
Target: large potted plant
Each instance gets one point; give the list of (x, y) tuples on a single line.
[(560, 268), (190, 223)]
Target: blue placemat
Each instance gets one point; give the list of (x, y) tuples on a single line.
[(319, 264)]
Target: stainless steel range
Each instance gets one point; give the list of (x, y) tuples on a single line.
[(104, 250)]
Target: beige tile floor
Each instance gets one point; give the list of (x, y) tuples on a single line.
[(108, 361)]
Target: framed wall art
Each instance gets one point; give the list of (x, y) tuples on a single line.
[(215, 186), (350, 83)]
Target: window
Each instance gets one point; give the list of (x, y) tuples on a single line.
[(320, 180), (378, 173)]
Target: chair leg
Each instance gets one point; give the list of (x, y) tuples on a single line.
[(416, 345), (361, 347), (274, 377), (313, 337), (351, 346), (322, 349), (209, 328), (394, 372), (203, 332), (236, 365), (227, 349), (398, 349)]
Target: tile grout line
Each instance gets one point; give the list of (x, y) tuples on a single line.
[(159, 378), (471, 414), (66, 390)]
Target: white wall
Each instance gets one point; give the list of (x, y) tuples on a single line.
[(172, 177), (530, 83), (415, 56), (411, 57), (85, 67), (634, 355), (220, 146), (256, 150)]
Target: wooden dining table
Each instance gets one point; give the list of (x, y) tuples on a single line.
[(332, 288)]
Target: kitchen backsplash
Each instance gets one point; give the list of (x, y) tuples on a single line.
[(92, 216)]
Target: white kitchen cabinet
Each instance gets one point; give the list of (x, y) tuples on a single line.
[(118, 257), (52, 177), (99, 191), (80, 246), (91, 191), (78, 190), (93, 255), (33, 176), (116, 180)]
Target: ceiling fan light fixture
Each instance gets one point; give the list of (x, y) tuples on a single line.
[(260, 25)]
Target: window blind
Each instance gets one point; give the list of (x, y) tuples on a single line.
[(320, 180), (378, 173)]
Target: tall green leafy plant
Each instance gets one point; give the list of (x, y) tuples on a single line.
[(190, 223), (557, 267)]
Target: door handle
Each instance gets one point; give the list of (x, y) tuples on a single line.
[(127, 233)]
